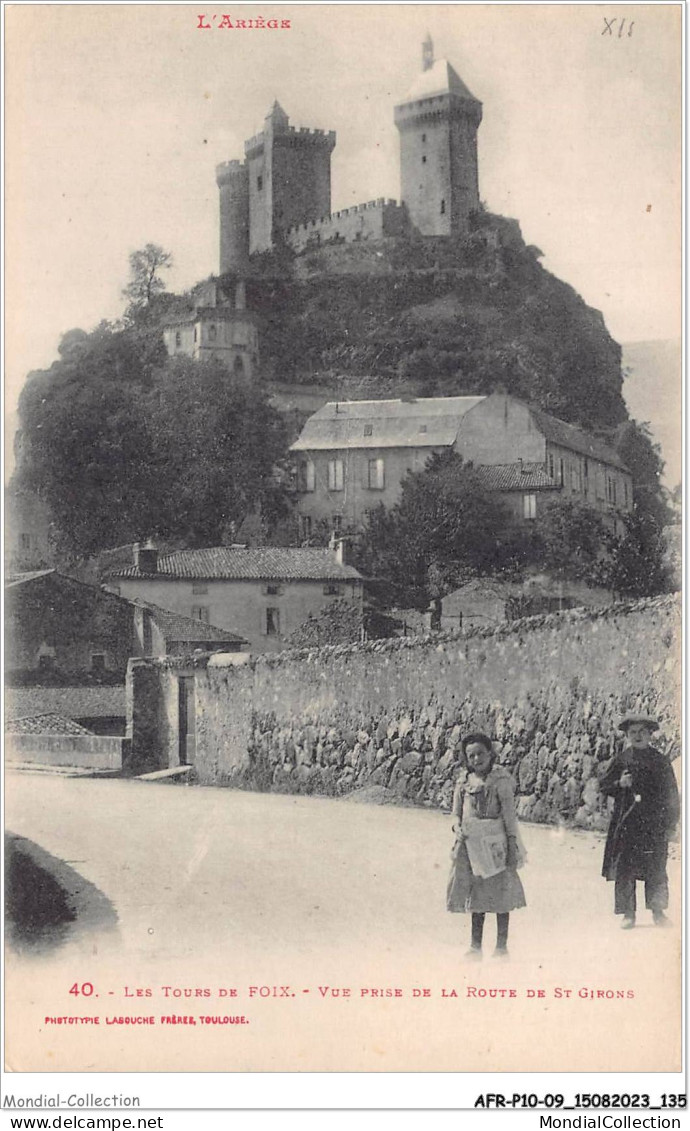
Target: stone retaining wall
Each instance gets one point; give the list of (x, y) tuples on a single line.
[(389, 715)]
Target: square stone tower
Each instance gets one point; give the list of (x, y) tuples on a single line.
[(438, 122), (289, 174)]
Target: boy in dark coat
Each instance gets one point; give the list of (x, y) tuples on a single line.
[(645, 813)]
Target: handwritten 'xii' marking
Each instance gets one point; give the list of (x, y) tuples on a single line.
[(611, 24)]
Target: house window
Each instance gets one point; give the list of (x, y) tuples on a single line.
[(575, 478), (272, 622), (552, 467), (424, 159), (199, 587), (259, 183), (422, 427), (332, 590), (336, 523), (307, 476), (529, 506), (611, 490), (625, 492), (212, 333), (561, 472), (335, 475), (25, 541), (368, 429), (601, 485), (423, 138), (305, 526), (178, 338), (443, 207), (272, 590), (196, 333), (98, 662), (200, 612), (375, 475)]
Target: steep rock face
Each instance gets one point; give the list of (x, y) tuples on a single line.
[(438, 317)]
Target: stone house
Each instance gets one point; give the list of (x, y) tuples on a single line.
[(59, 630), (353, 455), (216, 326), (264, 593)]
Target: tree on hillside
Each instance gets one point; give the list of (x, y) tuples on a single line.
[(642, 456), (217, 443), (569, 541), (119, 449), (638, 565), (445, 529), (145, 267)]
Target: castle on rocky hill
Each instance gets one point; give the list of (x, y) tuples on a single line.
[(281, 193)]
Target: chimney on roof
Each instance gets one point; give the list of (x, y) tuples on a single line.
[(146, 556)]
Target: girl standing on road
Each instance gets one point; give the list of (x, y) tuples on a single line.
[(487, 849)]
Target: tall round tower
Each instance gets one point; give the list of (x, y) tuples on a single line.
[(232, 179), (438, 122)]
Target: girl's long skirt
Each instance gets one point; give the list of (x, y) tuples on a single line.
[(467, 892)]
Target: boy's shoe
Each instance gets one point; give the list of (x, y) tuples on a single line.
[(474, 953), (628, 922), (661, 919), (501, 952)]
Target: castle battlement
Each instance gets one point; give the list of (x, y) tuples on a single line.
[(256, 144), (354, 210), (228, 170), (285, 183)]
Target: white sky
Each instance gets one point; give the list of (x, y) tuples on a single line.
[(118, 114)]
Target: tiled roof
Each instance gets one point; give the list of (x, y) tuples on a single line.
[(228, 563), (176, 626), (420, 423), (515, 477), (45, 724), (570, 436), (72, 702)]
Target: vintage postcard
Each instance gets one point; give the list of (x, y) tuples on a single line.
[(342, 548)]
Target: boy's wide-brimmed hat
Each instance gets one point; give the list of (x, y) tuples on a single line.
[(639, 720)]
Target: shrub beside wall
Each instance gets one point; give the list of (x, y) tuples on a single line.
[(389, 716)]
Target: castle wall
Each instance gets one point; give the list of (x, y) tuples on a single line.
[(464, 171), (259, 171), (233, 184), (301, 179), (371, 221), (438, 162), (425, 172)]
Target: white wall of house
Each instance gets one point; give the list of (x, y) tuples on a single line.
[(263, 612)]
